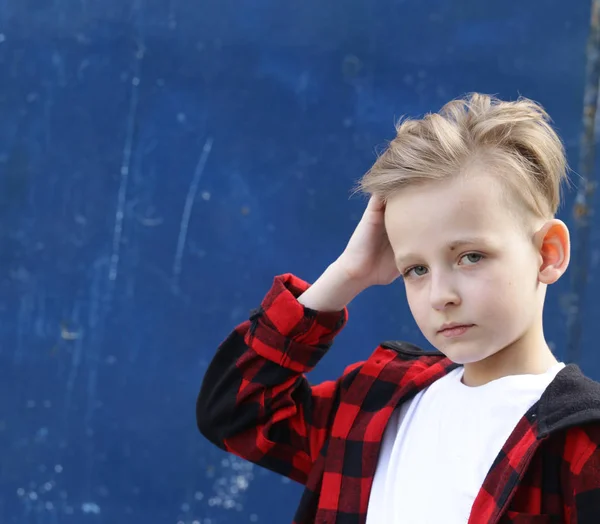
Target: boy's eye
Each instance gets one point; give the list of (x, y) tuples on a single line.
[(417, 268), (479, 257), (407, 273)]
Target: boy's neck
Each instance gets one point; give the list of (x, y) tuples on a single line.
[(523, 357)]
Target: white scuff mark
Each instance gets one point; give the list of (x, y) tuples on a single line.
[(187, 210), (90, 507), (68, 334), (230, 488), (125, 168), (150, 221)]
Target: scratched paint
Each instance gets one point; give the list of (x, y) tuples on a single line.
[(187, 211), (160, 162)]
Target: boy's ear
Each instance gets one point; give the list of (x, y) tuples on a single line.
[(553, 244)]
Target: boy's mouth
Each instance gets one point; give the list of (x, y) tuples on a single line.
[(452, 325), (455, 330)]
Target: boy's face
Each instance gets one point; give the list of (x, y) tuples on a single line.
[(493, 283)]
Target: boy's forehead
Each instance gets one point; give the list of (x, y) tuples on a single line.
[(421, 209), (420, 220)]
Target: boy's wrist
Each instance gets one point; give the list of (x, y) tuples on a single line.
[(332, 291)]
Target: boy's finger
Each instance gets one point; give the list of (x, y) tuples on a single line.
[(375, 203)]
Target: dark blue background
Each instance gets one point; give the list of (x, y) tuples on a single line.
[(160, 162)]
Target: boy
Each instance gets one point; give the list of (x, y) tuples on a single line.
[(489, 429)]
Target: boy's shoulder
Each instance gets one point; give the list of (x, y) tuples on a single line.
[(395, 366), (572, 399)]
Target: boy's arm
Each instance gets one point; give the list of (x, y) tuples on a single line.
[(255, 401)]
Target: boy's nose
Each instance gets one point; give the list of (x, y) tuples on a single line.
[(443, 294)]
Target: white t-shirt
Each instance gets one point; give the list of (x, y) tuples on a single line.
[(438, 447)]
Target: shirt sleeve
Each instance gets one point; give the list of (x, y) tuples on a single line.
[(583, 457), (256, 402)]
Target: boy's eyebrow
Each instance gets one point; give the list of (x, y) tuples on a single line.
[(452, 246)]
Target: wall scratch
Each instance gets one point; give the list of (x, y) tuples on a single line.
[(125, 168), (187, 211)]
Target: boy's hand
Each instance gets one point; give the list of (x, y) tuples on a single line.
[(368, 257), (368, 260)]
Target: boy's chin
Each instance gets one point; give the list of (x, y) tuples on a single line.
[(463, 353)]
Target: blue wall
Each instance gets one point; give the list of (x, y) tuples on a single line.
[(160, 162)]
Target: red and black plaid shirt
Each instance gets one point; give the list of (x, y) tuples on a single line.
[(255, 402)]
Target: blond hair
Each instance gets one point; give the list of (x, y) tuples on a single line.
[(516, 139)]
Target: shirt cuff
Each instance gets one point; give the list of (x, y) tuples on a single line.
[(288, 333)]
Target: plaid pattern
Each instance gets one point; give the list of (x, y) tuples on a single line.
[(255, 402)]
